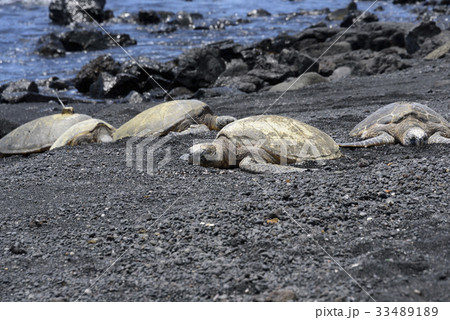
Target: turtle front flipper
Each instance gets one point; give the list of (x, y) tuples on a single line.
[(384, 138), (438, 138), (251, 165)]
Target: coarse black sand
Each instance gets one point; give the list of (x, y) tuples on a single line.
[(78, 218)]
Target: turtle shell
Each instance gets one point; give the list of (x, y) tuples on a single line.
[(81, 128), (163, 118), (282, 136), (38, 135), (395, 113)]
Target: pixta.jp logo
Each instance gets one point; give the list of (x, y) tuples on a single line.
[(150, 152)]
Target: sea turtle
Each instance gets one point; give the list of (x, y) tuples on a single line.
[(177, 115), (38, 135), (265, 144), (409, 123), (87, 131)]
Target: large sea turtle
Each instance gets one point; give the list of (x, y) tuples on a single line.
[(87, 131), (265, 144), (177, 115), (38, 135), (408, 123)]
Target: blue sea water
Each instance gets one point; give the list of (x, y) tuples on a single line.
[(22, 23)]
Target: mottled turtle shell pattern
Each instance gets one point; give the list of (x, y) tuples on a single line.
[(277, 135), (395, 113)]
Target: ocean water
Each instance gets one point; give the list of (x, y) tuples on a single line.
[(23, 22)]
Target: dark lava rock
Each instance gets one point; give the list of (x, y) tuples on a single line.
[(381, 63), (298, 62), (22, 91), (325, 49), (340, 73), (89, 40), (17, 249), (289, 63), (53, 83), (109, 86), (50, 46), (236, 67), (418, 34), (380, 43), (376, 36), (148, 17), (26, 96), (319, 34), (179, 93), (142, 67), (405, 1), (64, 12), (271, 71), (216, 92), (21, 86), (275, 45), (184, 19), (340, 14), (133, 97), (245, 83), (6, 127), (89, 72), (258, 13), (155, 82), (250, 56), (355, 17), (228, 49), (199, 67)]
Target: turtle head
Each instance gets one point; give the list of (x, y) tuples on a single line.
[(222, 121), (207, 155), (218, 122), (414, 136)]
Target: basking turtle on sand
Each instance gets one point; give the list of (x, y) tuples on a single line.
[(265, 144), (177, 116), (38, 135), (408, 123), (87, 131)]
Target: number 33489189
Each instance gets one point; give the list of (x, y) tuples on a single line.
[(407, 311)]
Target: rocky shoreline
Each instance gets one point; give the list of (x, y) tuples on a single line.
[(228, 68)]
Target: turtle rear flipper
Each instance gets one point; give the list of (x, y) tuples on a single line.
[(384, 138), (251, 165), (438, 138)]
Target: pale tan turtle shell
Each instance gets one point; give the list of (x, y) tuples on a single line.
[(175, 115), (277, 135), (395, 113), (91, 130), (38, 135)]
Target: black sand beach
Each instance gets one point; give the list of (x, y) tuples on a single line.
[(78, 224)]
